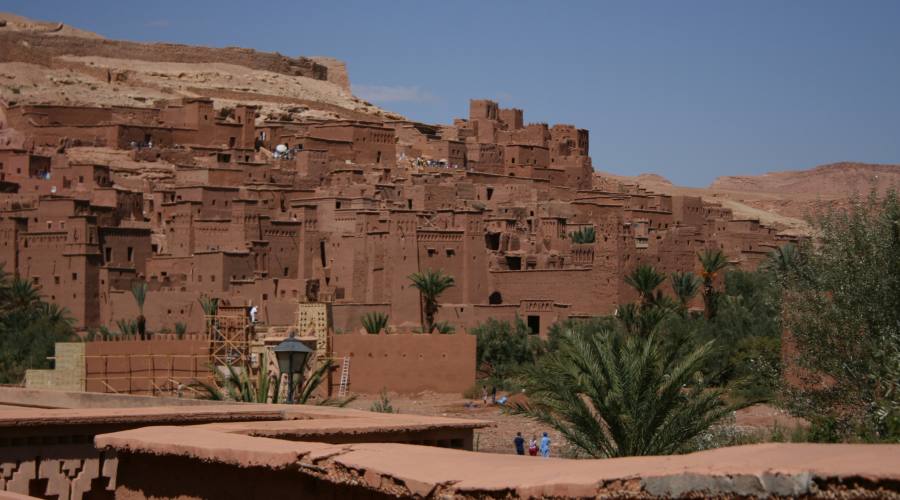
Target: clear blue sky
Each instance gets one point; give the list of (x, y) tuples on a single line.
[(687, 89)]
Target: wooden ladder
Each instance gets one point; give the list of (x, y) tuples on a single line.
[(345, 377)]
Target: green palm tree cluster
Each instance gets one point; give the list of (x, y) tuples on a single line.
[(584, 235), (645, 316), (612, 394), (431, 284), (374, 322), (623, 388), (29, 328)]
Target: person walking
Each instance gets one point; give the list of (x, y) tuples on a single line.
[(545, 446), (519, 441), (484, 394), (533, 447)]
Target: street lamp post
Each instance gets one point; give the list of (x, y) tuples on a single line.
[(291, 353)]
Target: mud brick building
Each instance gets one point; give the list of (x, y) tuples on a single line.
[(220, 202)]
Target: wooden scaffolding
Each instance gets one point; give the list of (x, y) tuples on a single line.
[(229, 332)]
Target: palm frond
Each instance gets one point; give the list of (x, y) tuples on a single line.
[(614, 394), (374, 322)]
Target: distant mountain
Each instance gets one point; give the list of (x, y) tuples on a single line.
[(836, 179), (780, 199)]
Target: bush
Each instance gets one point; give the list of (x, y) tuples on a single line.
[(383, 404), (444, 327), (584, 235), (29, 328), (502, 348), (842, 307), (374, 322)]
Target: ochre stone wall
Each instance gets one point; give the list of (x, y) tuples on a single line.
[(408, 363)]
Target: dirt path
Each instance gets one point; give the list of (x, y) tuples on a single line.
[(499, 439)]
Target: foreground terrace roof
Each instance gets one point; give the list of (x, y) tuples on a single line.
[(409, 470)]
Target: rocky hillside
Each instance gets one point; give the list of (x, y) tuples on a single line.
[(837, 179), (781, 199), (53, 63)]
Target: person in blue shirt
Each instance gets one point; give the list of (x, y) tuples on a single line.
[(545, 446), (519, 441)]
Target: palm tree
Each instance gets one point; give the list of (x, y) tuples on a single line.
[(712, 261), (4, 285), (139, 290), (374, 321), (613, 394), (55, 314), (22, 295), (645, 279), (685, 285), (642, 320), (783, 259), (210, 305), (431, 284)]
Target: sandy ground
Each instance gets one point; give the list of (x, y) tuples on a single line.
[(499, 439)]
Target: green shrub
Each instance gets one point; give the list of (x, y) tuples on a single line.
[(502, 348), (374, 322), (584, 235), (383, 404)]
